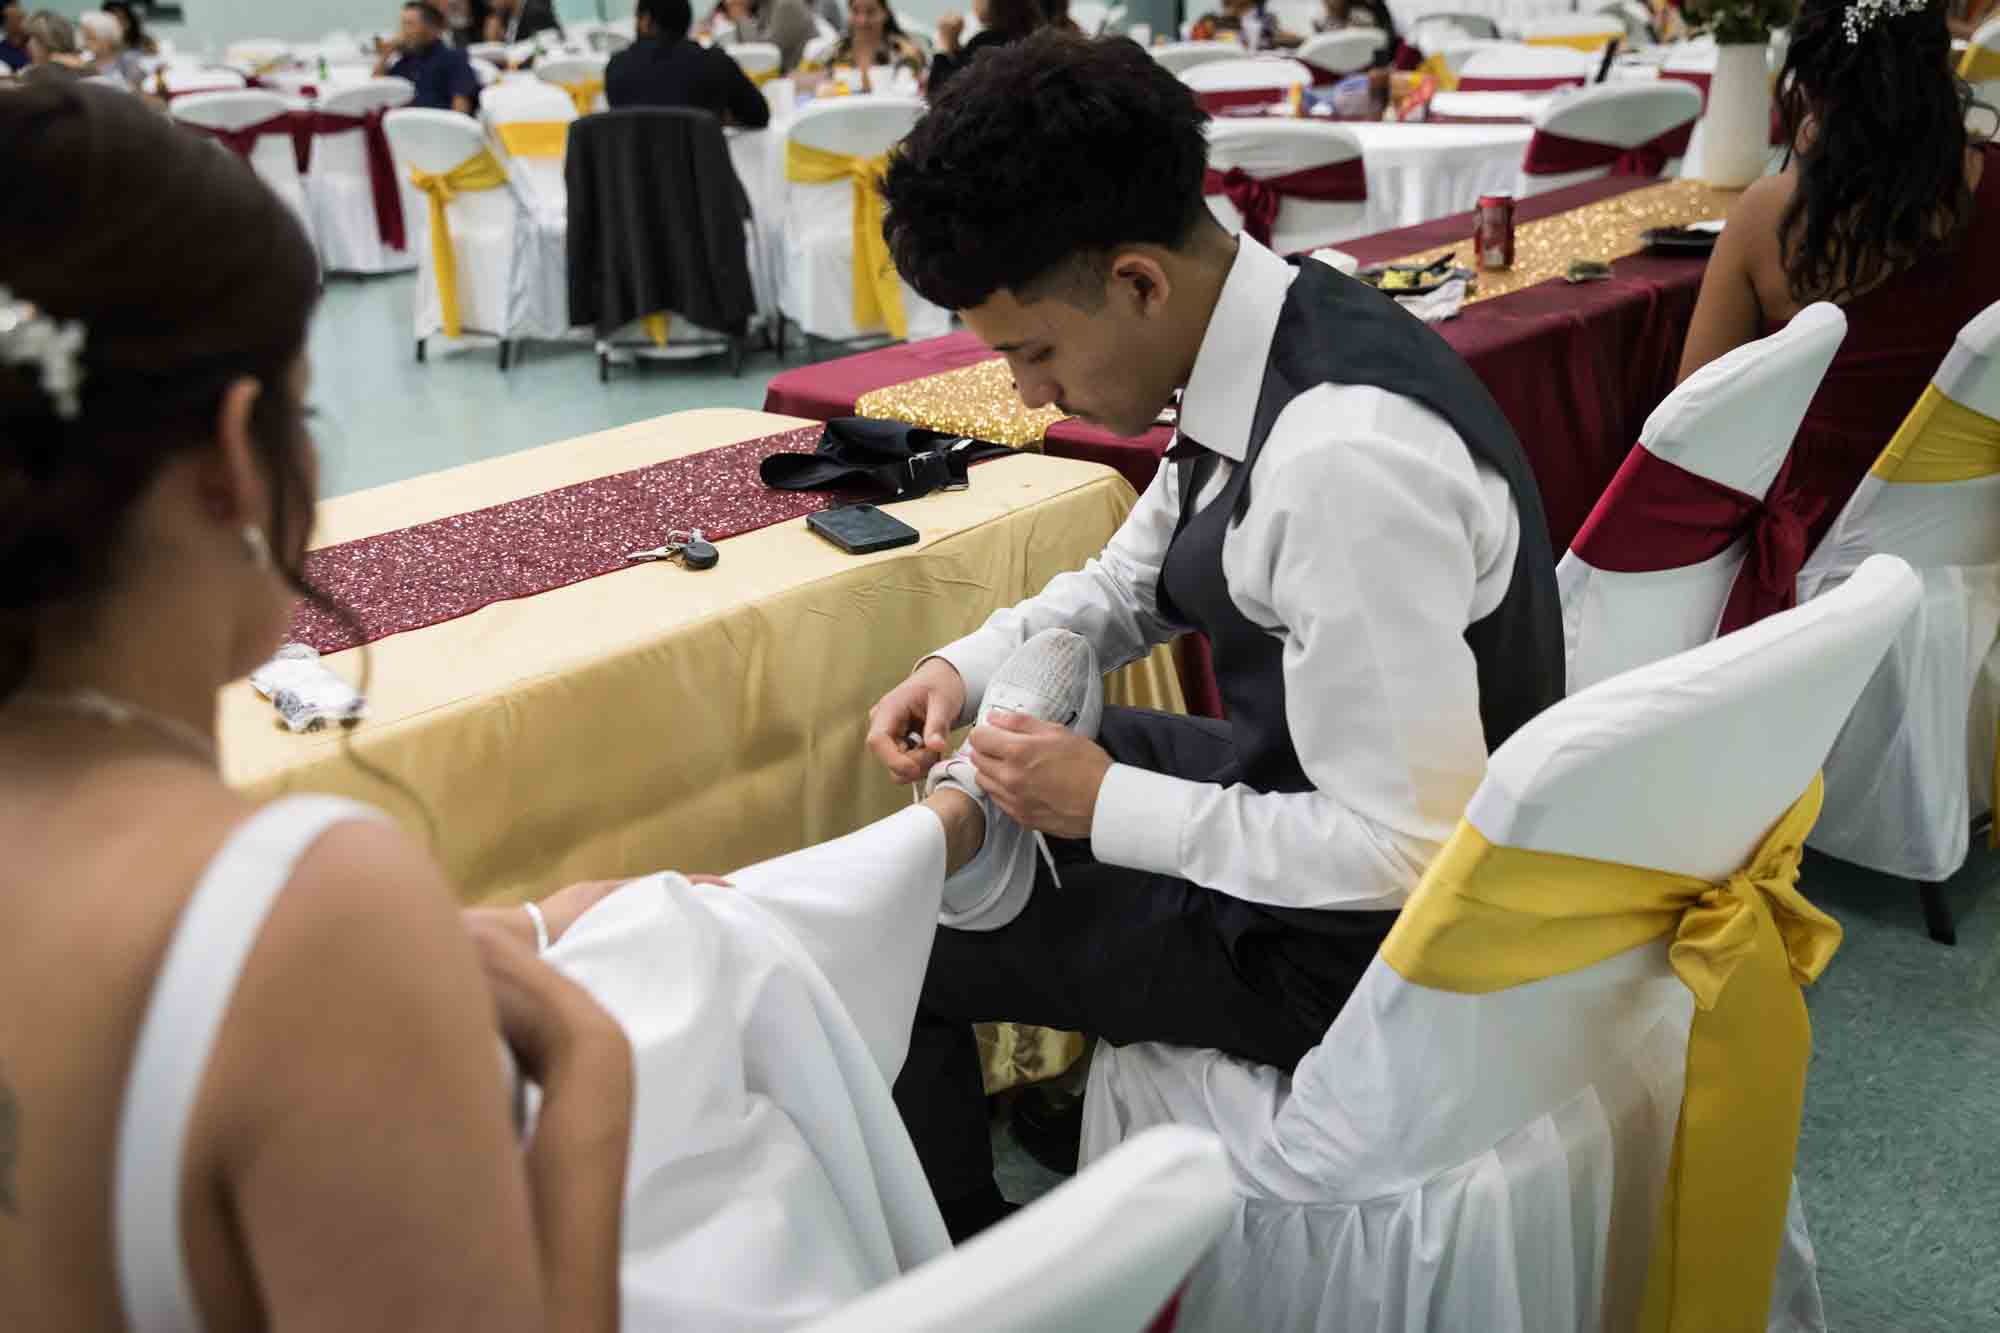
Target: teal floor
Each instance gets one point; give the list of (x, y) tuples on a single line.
[(1900, 1177)]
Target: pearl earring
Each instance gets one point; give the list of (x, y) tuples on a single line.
[(255, 546)]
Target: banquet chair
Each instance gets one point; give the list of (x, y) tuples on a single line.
[(1980, 65), (760, 60), (1915, 765), (351, 181), (1180, 57), (1293, 185), (1332, 56), (496, 52), (1654, 568), (1509, 67), (816, 52), (1434, 30), (1108, 1250), (1579, 32), (1557, 1074), (187, 80), (529, 122), (1090, 16), (835, 151), (258, 126), (485, 71), (1613, 129), (582, 77), (1247, 81), (471, 231), (1635, 18), (257, 53)]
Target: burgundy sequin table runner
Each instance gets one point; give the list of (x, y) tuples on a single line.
[(450, 567)]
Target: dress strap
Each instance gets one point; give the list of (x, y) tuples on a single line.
[(191, 995)]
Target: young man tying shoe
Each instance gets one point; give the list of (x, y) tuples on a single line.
[(1345, 514)]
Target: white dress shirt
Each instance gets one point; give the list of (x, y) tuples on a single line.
[(1371, 542)]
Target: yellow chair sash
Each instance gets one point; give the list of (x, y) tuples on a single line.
[(878, 292), (481, 171), (762, 76), (1486, 918), (1580, 41), (1435, 66), (1940, 441), (584, 92), (1979, 63), (657, 326), (534, 138)]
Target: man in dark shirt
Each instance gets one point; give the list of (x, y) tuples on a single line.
[(13, 35), (443, 76), (664, 68)]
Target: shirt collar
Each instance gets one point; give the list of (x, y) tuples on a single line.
[(1221, 398)]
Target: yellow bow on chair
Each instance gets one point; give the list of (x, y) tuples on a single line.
[(1978, 64), (1591, 42), (584, 92), (878, 292), (1446, 76), (1486, 918), (763, 76), (534, 138), (481, 171)]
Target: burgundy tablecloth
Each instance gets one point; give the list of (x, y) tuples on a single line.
[(1577, 369)]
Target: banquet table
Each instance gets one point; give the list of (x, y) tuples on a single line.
[(659, 717), (1576, 368)]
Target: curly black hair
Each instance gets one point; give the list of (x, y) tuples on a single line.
[(1881, 162), (1045, 153)]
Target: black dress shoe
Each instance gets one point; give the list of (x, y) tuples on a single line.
[(1048, 1123)]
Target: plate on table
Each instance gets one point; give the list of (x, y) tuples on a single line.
[(1697, 238), (1412, 279)]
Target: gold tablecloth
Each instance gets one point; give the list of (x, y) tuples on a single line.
[(658, 717), (979, 400)]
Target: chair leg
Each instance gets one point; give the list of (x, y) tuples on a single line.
[(506, 350), (603, 366), (778, 338), (1937, 913), (420, 351), (736, 357)]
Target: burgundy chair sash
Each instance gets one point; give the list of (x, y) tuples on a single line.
[(1657, 515), (1259, 200), (382, 181), (1222, 99), (1529, 83), (1553, 154), (291, 125)]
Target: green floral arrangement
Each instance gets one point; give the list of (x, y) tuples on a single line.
[(1739, 22)]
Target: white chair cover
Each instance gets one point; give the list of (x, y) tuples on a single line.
[(484, 70), (1180, 57), (272, 157), (1733, 422), (816, 274), (1623, 115), (496, 52), (1986, 41), (1915, 763), (756, 57), (573, 69), (1532, 66), (1089, 16), (1105, 1251), (1266, 148), (541, 181), (819, 50), (1344, 52), (1495, 1161), (191, 79), (1437, 31), (1274, 74), (341, 191), (1590, 26)]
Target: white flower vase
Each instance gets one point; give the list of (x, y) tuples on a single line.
[(1736, 131)]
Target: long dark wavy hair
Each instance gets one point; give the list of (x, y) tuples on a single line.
[(1877, 128)]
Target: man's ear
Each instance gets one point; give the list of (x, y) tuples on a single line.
[(1139, 283)]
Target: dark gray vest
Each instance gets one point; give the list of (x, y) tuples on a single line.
[(1334, 330)]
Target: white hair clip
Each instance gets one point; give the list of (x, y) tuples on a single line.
[(28, 337), (1861, 15)]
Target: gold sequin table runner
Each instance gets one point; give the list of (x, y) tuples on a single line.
[(977, 400)]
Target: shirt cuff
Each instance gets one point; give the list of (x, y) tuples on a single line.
[(1140, 818), (976, 658)]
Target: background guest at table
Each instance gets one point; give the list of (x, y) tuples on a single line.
[(664, 68), (519, 20), (52, 52), (136, 36), (875, 47), (1886, 208), (465, 21), (1001, 23), (13, 35), (1340, 15), (1256, 28), (443, 75), (1345, 513), (785, 24), (104, 40)]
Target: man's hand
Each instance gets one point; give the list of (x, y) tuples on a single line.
[(928, 703), (1044, 775)]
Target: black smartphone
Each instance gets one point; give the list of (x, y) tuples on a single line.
[(859, 529)]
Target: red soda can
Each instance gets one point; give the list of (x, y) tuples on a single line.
[(1493, 231)]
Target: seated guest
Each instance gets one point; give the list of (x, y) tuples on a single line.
[(278, 1063), (52, 52), (1880, 209), (874, 47), (1345, 513), (513, 21), (1000, 22), (13, 35), (785, 24), (465, 21), (104, 40), (135, 34), (1248, 20), (1340, 15), (664, 68), (443, 75)]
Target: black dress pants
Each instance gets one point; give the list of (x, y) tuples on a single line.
[(1125, 955)]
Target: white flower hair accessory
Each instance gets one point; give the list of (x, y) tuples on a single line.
[(29, 337), (1861, 15)]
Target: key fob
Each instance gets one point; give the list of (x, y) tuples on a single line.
[(700, 554)]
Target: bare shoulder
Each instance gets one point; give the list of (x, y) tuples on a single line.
[(1764, 203)]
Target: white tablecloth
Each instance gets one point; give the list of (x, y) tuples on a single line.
[(1420, 172)]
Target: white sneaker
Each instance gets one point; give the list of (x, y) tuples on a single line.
[(1054, 677)]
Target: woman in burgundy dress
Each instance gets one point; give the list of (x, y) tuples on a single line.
[(1886, 207)]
